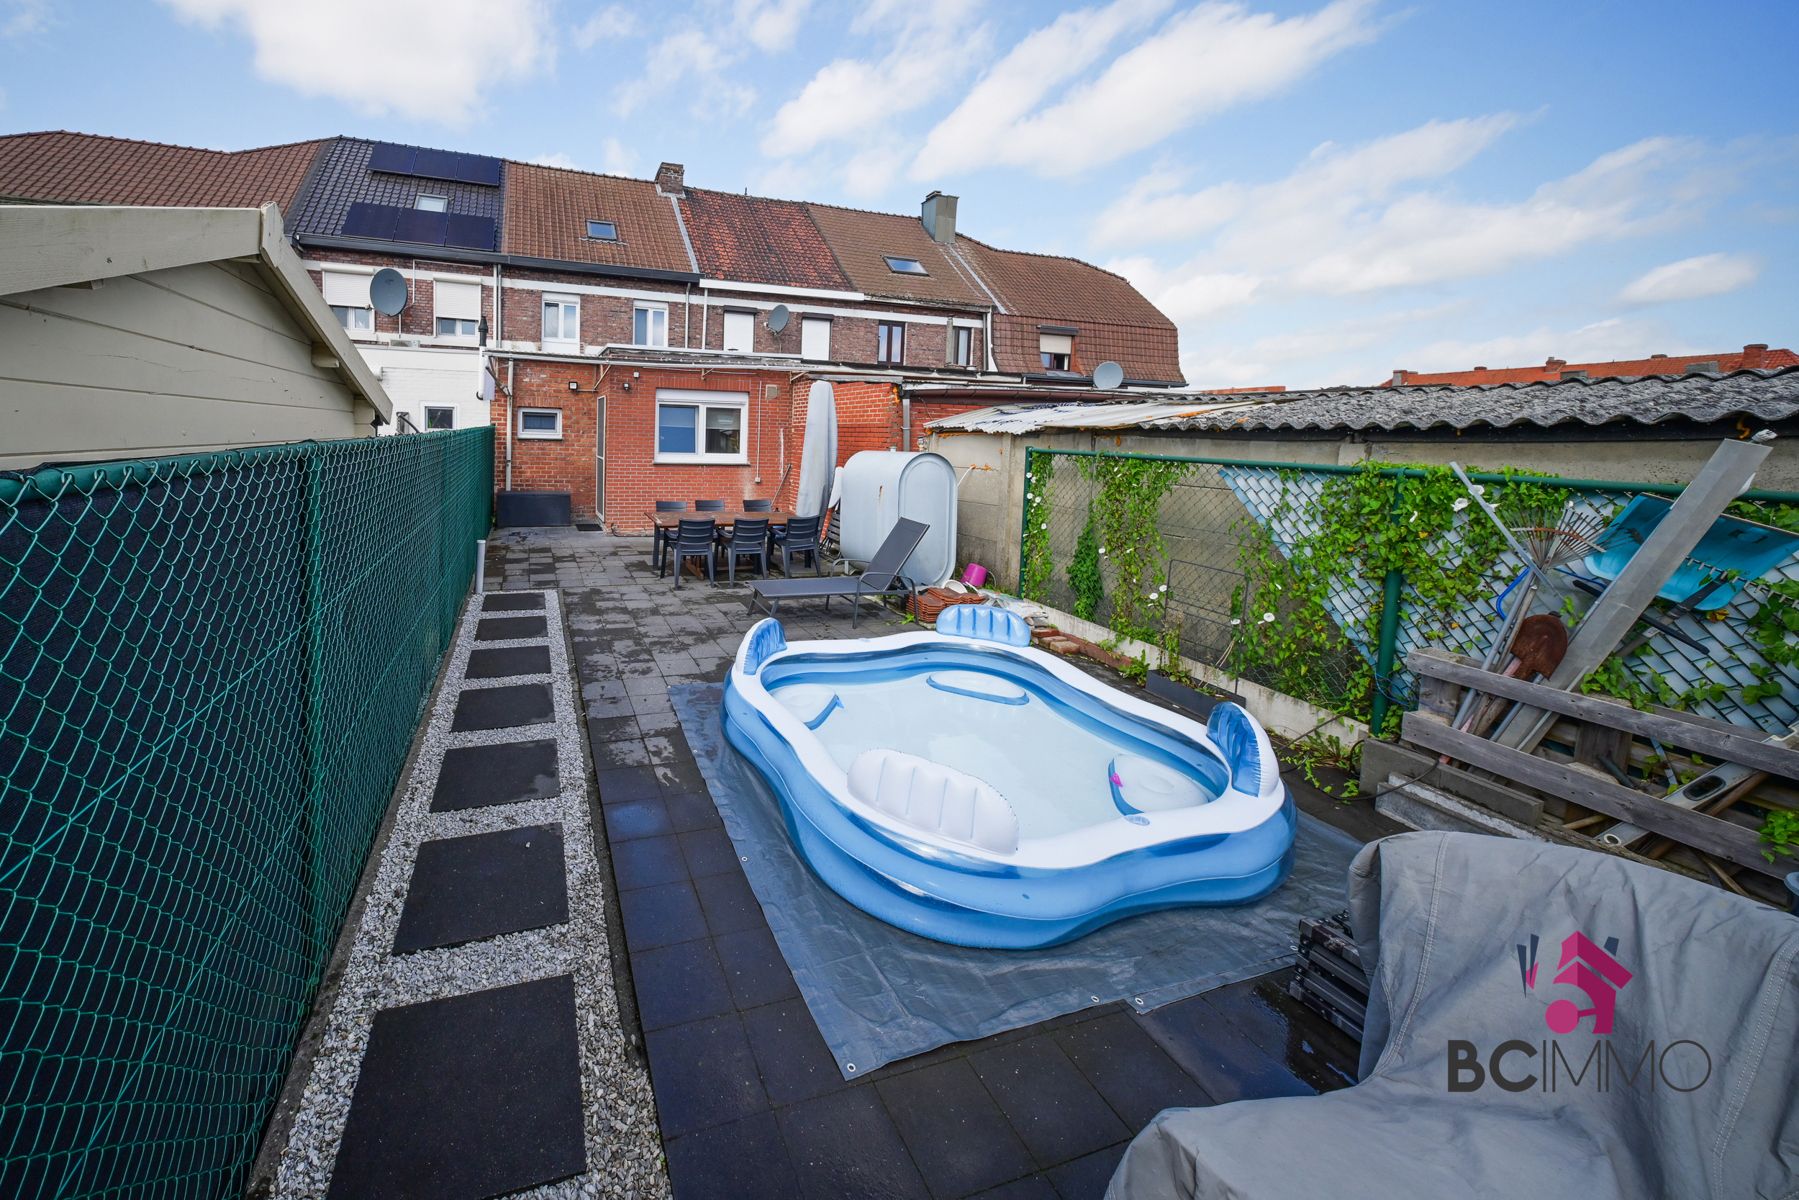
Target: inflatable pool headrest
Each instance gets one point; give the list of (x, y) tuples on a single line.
[(1247, 752), (984, 623), (934, 799), (764, 640)]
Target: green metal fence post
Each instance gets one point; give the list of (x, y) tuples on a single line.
[(1387, 649)]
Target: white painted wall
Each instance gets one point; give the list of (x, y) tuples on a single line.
[(179, 360), (417, 377)]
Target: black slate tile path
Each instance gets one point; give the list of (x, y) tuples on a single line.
[(662, 916), (483, 885), (499, 662), (627, 783), (704, 1075), (847, 1145), (474, 776), (502, 707), (959, 1139), (506, 629), (630, 819), (754, 968), (795, 1063), (518, 602), (467, 1097), (1134, 1075), (729, 904), (745, 1160), (645, 862), (680, 983), (709, 852), (1086, 1177), (1052, 1106)]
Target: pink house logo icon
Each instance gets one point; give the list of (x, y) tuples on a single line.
[(1592, 968)]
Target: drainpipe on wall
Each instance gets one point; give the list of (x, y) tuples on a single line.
[(705, 314), (905, 394), (987, 340), (511, 364)]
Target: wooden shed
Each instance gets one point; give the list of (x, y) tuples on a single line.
[(136, 332)]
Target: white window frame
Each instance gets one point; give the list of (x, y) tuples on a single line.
[(444, 289), (564, 302), (340, 288), (355, 320), (442, 204), (650, 326), (745, 320), (428, 409), (539, 434), (811, 327), (961, 346), (1056, 345), (703, 401)]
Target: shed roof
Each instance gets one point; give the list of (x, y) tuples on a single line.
[(60, 167), (1699, 398), (547, 210)]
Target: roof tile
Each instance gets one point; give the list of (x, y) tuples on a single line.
[(81, 168), (752, 239), (547, 210), (862, 241)]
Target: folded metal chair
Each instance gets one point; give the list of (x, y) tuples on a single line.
[(881, 578), (1542, 1021)]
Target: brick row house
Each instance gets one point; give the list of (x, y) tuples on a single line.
[(641, 339)]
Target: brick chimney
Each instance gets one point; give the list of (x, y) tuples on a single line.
[(938, 214), (1554, 364), (1753, 352), (671, 179), (1398, 379)]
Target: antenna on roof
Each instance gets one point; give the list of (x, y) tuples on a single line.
[(387, 291), (777, 318), (1107, 375)]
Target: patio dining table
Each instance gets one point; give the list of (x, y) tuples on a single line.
[(723, 518)]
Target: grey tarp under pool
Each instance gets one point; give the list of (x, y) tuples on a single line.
[(879, 994), (1713, 986)]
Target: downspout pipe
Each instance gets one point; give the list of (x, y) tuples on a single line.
[(905, 415), (511, 365)]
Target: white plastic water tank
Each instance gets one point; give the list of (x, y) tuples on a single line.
[(882, 486)]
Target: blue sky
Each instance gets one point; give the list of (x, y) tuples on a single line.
[(1316, 192)]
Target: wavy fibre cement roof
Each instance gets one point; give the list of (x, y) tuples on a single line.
[(1697, 398), (80, 168)]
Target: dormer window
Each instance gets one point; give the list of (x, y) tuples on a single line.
[(1056, 346), (905, 266), (426, 202), (603, 231)]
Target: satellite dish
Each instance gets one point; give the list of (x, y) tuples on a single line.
[(387, 291), (777, 318), (1107, 375)]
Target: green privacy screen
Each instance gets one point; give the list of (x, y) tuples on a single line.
[(210, 673)]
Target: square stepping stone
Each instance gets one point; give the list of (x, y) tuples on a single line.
[(467, 1097), (483, 885), (502, 629), (476, 776), (497, 662), (494, 602), (503, 707)]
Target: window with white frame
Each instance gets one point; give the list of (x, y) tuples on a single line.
[(540, 422), (961, 346), (426, 202), (1057, 350), (458, 310), (439, 418), (700, 427), (649, 324), (740, 331), (815, 338), (348, 296), (561, 321)]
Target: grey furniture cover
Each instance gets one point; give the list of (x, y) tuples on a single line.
[(1448, 922)]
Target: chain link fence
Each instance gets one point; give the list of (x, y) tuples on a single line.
[(210, 673), (1260, 570)]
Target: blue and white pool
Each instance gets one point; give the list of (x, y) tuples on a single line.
[(965, 786)]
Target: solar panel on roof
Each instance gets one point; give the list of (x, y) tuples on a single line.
[(482, 170), (395, 160), (473, 233), (436, 164), (370, 220), (420, 225)]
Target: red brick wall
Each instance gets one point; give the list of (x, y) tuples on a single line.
[(634, 481), (419, 317)]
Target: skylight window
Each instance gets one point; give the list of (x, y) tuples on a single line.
[(905, 266), (603, 231), (426, 202)]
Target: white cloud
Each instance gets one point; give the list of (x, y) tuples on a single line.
[(1599, 341), (615, 159), (1200, 62), (928, 45), (24, 17), (1692, 279), (1019, 82), (425, 59), (1186, 295), (771, 25), (556, 160), (612, 23)]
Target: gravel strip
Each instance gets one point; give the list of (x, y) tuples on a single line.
[(624, 1149)]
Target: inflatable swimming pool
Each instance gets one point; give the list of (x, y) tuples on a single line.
[(965, 786)]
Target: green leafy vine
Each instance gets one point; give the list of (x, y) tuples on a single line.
[(1037, 567)]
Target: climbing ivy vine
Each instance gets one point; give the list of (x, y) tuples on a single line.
[(1125, 515), (1084, 574), (1035, 566)]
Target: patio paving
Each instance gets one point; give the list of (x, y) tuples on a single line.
[(749, 1101)]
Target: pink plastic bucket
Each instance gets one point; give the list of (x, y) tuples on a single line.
[(974, 574)]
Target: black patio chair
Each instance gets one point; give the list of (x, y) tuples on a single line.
[(748, 539), (800, 537), (692, 538), (758, 506), (708, 506), (881, 578), (659, 535)]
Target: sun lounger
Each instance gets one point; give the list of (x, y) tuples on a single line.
[(881, 578)]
